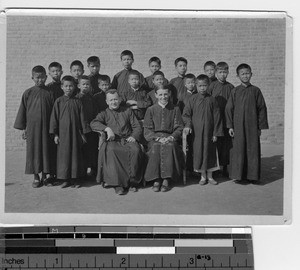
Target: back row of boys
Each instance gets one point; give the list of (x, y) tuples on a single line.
[(139, 93)]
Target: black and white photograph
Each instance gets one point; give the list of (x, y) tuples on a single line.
[(148, 113)]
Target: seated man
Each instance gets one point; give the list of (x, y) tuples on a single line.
[(120, 156), (163, 126)]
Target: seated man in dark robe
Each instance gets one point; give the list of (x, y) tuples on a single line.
[(163, 126), (120, 156)]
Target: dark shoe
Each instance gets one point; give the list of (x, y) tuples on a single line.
[(165, 188), (255, 182), (120, 190), (156, 186), (37, 183), (241, 181), (75, 184), (48, 182), (133, 189), (65, 184), (212, 181), (203, 182)]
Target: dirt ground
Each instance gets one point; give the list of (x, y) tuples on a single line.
[(227, 198)]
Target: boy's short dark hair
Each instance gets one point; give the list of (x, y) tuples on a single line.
[(104, 78), (158, 72), (68, 78), (154, 59), (38, 69), (128, 53), (84, 77), (93, 59), (55, 64), (76, 63), (189, 76), (222, 65), (133, 72), (180, 59), (209, 63), (165, 87), (242, 66), (203, 77), (112, 92)]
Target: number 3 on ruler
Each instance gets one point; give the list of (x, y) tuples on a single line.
[(191, 261)]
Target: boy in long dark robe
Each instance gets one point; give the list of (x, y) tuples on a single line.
[(162, 129), (90, 149), (154, 65), (136, 96), (100, 98), (220, 89), (246, 116), (210, 70), (178, 82), (55, 72), (68, 125), (33, 119), (120, 162), (120, 80), (76, 71), (202, 116)]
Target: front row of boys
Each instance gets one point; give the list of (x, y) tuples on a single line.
[(163, 125)]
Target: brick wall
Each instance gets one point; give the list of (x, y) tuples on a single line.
[(41, 40)]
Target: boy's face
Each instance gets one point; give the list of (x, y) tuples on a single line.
[(55, 73), (84, 86), (39, 78), (113, 101), (209, 71), (181, 68), (245, 75), (76, 72), (127, 61), (134, 81), (103, 85), (190, 84), (202, 86), (162, 96), (154, 66), (222, 74), (94, 67), (158, 80), (68, 88)]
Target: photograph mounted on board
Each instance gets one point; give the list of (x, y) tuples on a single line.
[(156, 115)]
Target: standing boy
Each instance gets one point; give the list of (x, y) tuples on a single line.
[(76, 70), (68, 125), (135, 96), (178, 82), (55, 72), (154, 65), (120, 80), (93, 63), (189, 83), (162, 129), (100, 98), (33, 119), (210, 70), (90, 153), (120, 162), (202, 116), (246, 116), (220, 89)]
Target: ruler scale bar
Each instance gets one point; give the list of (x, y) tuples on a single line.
[(116, 247)]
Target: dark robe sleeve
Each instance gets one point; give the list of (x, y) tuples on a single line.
[(114, 83), (229, 110), (83, 119), (97, 124), (149, 133), (178, 125), (145, 103), (188, 114), (218, 124), (54, 118), (262, 111), (136, 127), (21, 122)]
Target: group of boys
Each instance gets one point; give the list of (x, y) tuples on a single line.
[(143, 120)]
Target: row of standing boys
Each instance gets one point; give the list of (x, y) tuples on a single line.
[(223, 122)]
